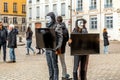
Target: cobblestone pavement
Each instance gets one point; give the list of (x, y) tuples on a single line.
[(34, 67)]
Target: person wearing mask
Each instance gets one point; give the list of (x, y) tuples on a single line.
[(3, 40), (62, 54), (80, 61), (106, 41), (29, 34), (51, 54), (12, 43)]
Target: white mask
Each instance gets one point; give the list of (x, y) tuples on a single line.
[(48, 19), (80, 24)]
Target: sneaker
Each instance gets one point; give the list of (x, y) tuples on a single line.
[(10, 62), (27, 54), (14, 61)]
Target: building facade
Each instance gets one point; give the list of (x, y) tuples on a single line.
[(37, 10), (99, 14), (13, 11)]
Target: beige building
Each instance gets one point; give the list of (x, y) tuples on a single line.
[(99, 14)]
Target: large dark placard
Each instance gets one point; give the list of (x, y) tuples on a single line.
[(85, 44), (45, 38)]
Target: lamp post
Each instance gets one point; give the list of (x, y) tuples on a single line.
[(70, 8)]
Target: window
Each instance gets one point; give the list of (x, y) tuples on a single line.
[(63, 9), (30, 1), (15, 7), (79, 5), (5, 7), (46, 9), (93, 4), (23, 8), (30, 13), (108, 3), (37, 0), (109, 21), (14, 20), (93, 22), (55, 8), (23, 20), (38, 12), (5, 19)]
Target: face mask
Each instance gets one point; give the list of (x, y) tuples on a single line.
[(48, 19), (80, 24)]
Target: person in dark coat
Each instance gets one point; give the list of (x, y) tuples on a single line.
[(12, 43), (62, 54), (106, 41), (3, 40), (80, 61), (51, 54)]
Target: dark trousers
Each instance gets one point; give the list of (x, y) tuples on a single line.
[(82, 61), (52, 65), (4, 51)]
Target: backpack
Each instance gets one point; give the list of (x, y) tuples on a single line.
[(65, 32)]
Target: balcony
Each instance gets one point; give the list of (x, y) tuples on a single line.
[(108, 5), (92, 7), (79, 9)]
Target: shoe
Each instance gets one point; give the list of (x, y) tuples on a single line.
[(27, 54), (14, 61), (9, 61), (38, 53)]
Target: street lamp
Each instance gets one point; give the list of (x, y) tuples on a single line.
[(70, 8)]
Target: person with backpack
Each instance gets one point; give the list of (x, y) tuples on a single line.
[(62, 51)]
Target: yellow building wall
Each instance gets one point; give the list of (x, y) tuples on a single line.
[(10, 7)]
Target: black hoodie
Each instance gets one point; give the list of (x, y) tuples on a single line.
[(57, 28)]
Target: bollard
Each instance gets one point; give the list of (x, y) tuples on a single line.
[(20, 38)]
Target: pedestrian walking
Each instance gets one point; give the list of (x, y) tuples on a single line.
[(3, 40), (62, 54), (12, 43), (106, 41), (29, 34)]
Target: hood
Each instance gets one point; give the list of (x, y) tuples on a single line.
[(52, 15), (76, 23)]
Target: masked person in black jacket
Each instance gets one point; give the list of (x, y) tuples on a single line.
[(80, 61), (3, 40), (12, 43), (51, 55)]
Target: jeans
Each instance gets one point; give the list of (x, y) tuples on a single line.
[(105, 49), (62, 60), (12, 54), (52, 65), (83, 59), (4, 51), (29, 42)]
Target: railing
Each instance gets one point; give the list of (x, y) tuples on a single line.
[(92, 7), (108, 5)]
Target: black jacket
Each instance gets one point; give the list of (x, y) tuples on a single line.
[(105, 37), (58, 30), (12, 39), (29, 35), (3, 36)]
